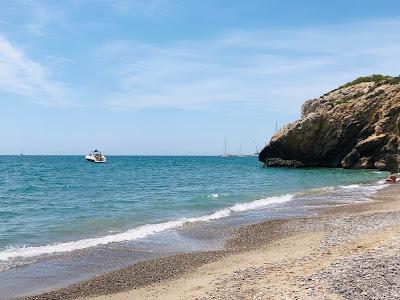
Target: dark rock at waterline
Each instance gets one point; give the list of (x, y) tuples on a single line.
[(354, 126)]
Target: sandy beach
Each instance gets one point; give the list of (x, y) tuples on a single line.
[(345, 252)]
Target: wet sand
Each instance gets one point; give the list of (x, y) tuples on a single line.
[(334, 255)]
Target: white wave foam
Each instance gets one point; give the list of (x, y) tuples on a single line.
[(314, 191), (132, 234), (261, 203), (215, 216), (216, 195), (350, 187), (5, 265), (376, 186), (135, 233)]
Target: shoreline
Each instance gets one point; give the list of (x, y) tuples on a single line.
[(150, 279)]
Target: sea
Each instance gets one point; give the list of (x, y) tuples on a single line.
[(63, 219)]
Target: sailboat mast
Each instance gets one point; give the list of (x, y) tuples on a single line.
[(225, 147)]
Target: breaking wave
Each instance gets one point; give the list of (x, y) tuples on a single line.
[(137, 232)]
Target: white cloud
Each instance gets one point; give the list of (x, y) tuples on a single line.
[(270, 69), (25, 77), (273, 69)]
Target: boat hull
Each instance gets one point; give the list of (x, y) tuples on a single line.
[(94, 160)]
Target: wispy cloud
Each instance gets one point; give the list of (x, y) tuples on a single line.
[(263, 69), (34, 18), (22, 76), (148, 8), (272, 69)]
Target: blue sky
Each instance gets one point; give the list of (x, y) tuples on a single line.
[(177, 77)]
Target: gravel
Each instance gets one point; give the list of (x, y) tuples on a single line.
[(367, 274)]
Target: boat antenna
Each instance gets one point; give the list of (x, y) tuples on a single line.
[(276, 126)]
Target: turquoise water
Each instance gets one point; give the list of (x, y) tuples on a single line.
[(51, 204)]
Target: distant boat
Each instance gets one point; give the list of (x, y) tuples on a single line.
[(96, 157), (240, 151), (257, 151), (225, 155), (233, 155)]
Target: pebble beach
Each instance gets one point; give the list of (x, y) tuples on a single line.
[(344, 252)]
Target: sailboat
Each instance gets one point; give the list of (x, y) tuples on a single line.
[(240, 151), (225, 155), (257, 151)]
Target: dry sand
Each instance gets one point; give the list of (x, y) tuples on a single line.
[(347, 252)]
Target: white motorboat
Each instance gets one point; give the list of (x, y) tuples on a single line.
[(96, 157)]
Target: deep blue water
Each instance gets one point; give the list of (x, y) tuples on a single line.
[(47, 202)]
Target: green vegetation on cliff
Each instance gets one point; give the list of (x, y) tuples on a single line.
[(354, 126), (376, 78)]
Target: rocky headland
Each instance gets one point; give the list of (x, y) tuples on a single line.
[(354, 126)]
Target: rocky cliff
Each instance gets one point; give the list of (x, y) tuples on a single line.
[(354, 126)]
